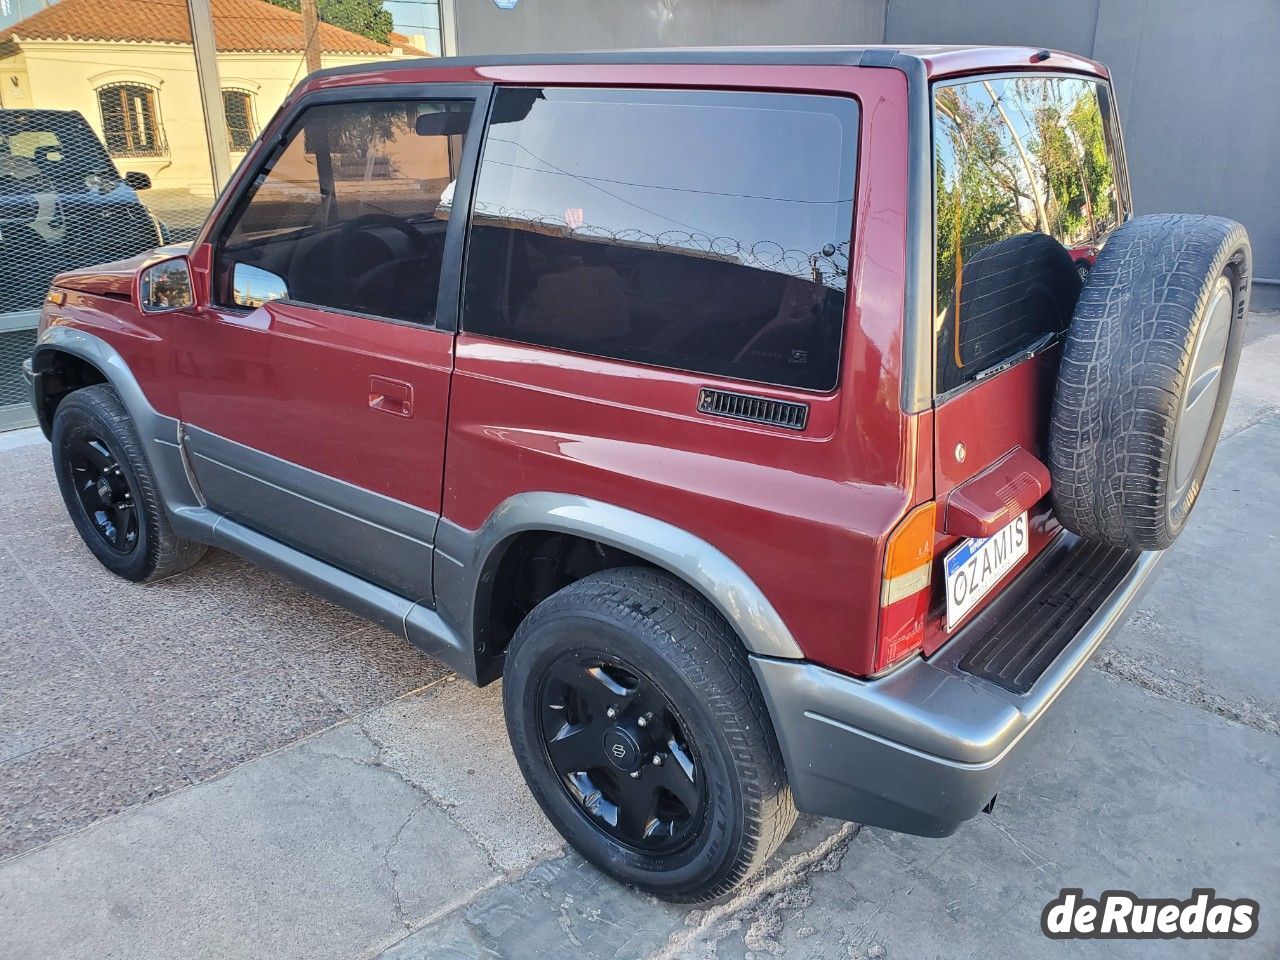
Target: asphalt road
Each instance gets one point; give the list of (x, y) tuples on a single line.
[(222, 766)]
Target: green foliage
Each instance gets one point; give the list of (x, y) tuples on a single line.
[(1015, 156), (366, 17)]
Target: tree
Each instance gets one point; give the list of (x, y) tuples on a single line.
[(366, 17)]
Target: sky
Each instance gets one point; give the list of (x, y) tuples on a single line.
[(414, 16)]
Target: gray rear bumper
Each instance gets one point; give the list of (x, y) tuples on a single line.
[(923, 748)]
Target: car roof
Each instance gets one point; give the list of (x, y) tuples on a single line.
[(41, 112), (933, 61)]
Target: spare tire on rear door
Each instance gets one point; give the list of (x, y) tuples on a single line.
[(1147, 369)]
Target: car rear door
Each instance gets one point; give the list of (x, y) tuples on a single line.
[(314, 383), (1027, 188)]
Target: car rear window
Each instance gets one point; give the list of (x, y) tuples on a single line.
[(704, 231), (59, 145), (1025, 195)]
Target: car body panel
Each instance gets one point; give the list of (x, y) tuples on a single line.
[(804, 515), (269, 438)]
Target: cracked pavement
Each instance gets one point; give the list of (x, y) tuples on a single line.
[(222, 766)]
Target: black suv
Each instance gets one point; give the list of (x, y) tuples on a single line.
[(63, 204)]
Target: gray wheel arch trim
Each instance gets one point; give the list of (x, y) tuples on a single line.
[(104, 357), (159, 433), (689, 557)]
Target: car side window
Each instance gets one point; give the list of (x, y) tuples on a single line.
[(350, 212), (1025, 194), (706, 231)]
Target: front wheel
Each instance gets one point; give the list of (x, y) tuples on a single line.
[(643, 736), (109, 490)]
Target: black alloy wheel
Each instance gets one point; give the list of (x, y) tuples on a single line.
[(642, 734), (621, 751), (110, 490), (103, 491)]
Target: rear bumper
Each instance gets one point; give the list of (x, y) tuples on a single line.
[(924, 748)]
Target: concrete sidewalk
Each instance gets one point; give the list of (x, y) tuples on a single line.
[(370, 806)]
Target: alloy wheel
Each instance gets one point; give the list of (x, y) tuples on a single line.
[(621, 752), (103, 491)]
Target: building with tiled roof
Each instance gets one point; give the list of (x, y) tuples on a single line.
[(128, 67)]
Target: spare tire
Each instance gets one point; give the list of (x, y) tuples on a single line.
[(1147, 369)]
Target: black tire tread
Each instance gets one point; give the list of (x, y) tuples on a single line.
[(167, 553), (1123, 371), (700, 644)]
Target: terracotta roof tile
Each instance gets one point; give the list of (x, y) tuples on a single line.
[(239, 25)]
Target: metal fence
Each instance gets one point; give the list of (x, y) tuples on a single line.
[(115, 134)]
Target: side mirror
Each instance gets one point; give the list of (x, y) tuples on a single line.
[(165, 286), (139, 181), (252, 286)]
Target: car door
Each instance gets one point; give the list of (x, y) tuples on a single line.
[(314, 383), (1028, 188)]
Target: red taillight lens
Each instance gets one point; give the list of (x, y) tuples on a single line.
[(907, 586)]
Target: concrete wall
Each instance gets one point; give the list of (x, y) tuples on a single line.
[(548, 25), (1197, 84), (1197, 81)]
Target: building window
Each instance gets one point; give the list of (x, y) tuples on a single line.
[(237, 107), (131, 121)]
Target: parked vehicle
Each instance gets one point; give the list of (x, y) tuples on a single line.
[(63, 204), (765, 443)]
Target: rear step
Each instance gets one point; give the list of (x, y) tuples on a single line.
[(1023, 632)]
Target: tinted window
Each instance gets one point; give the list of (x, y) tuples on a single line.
[(55, 145), (351, 212), (703, 231), (1026, 194)]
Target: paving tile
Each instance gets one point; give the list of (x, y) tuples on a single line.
[(1121, 790), (313, 853), (214, 722), (1208, 620), (71, 702), (362, 669), (38, 648), (63, 787), (452, 742)]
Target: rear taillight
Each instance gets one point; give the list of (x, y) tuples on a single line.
[(906, 588)]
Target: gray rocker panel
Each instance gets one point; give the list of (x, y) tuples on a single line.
[(158, 432), (383, 540)]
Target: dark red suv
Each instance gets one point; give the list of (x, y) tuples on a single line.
[(747, 411)]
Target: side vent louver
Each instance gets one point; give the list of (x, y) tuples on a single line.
[(743, 406)]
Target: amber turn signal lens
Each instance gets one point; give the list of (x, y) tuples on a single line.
[(908, 556)]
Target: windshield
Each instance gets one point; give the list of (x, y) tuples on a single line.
[(46, 147)]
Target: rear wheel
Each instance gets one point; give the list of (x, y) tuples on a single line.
[(641, 732), (1146, 374), (108, 488)]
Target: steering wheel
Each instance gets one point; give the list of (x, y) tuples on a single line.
[(358, 257), (360, 223)]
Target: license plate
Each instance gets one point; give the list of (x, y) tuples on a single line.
[(975, 566)]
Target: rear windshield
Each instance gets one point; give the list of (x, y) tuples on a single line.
[(1026, 193), (705, 231), (59, 146)]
